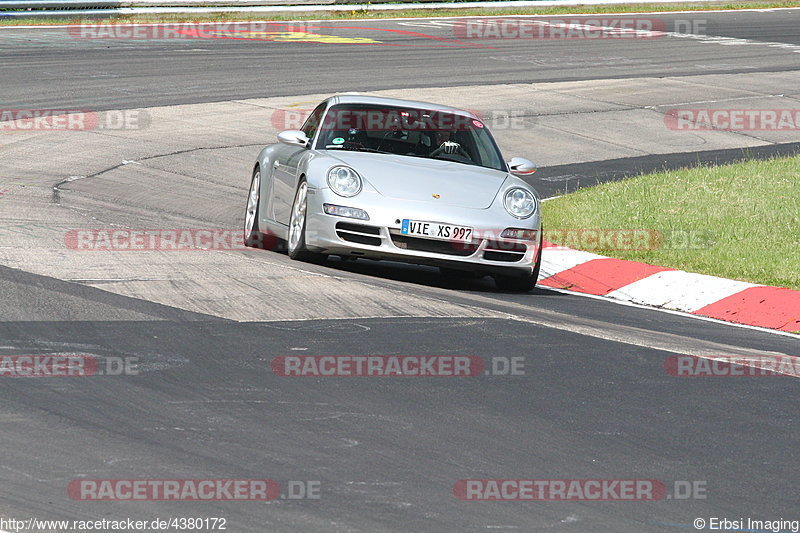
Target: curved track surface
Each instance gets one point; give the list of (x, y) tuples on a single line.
[(594, 400)]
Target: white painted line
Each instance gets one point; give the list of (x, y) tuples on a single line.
[(346, 7), (555, 260), (733, 41), (679, 290)]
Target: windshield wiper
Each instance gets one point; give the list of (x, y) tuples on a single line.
[(373, 150), (356, 148), (472, 163)]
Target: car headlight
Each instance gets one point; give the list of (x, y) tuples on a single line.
[(344, 181), (519, 203)]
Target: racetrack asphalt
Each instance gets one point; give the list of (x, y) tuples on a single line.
[(594, 401), (69, 71)]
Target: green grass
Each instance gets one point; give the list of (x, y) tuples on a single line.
[(741, 221), (412, 12)]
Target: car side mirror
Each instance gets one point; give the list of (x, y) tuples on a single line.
[(521, 166), (293, 137)]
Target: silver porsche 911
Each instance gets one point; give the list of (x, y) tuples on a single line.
[(380, 178)]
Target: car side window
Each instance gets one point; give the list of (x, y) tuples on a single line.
[(312, 123)]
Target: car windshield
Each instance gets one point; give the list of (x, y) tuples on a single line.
[(409, 132)]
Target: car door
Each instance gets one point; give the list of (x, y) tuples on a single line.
[(285, 168)]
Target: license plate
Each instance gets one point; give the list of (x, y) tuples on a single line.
[(434, 230)]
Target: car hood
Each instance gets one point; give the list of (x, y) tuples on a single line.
[(421, 180)]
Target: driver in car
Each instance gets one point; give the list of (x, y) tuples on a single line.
[(446, 146)]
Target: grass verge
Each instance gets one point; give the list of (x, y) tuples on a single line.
[(739, 221), (412, 12)]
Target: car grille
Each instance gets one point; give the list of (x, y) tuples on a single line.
[(502, 256), (358, 233), (508, 252), (433, 246), (504, 252)]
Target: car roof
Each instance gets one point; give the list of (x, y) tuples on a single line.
[(354, 98)]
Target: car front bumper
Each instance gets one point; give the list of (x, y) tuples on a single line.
[(380, 237)]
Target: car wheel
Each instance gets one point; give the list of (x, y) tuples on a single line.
[(252, 236), (521, 284), (296, 244)]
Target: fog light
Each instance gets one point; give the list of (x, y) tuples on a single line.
[(520, 234), (349, 212)]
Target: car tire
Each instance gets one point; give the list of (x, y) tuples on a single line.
[(523, 283), (252, 236), (296, 241)]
